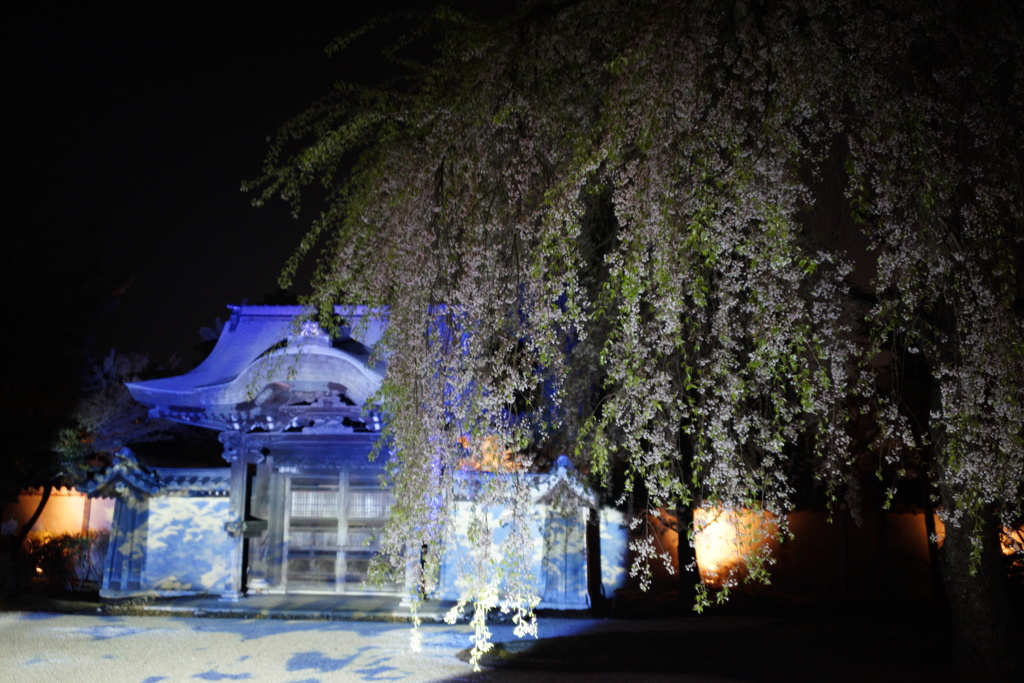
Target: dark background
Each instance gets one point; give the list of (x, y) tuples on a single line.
[(128, 131)]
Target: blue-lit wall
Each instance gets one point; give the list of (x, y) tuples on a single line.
[(558, 555), (169, 545)]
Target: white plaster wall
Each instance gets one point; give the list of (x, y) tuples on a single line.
[(187, 547), (456, 567), (614, 547)]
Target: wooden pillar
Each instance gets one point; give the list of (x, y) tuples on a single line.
[(238, 484), (240, 451), (595, 586)]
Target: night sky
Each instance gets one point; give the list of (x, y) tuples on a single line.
[(132, 127)]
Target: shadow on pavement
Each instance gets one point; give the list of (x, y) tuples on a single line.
[(908, 644)]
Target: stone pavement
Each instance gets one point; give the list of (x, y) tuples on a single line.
[(310, 639), (42, 646)]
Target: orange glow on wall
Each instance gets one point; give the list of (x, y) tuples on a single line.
[(66, 512), (1012, 541), (723, 538), (487, 456)]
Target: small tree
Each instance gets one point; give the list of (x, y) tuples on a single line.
[(104, 419)]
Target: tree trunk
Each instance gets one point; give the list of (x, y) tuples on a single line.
[(986, 634), (689, 577), (19, 541), (934, 558), (595, 587)]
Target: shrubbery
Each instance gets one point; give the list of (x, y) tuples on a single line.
[(66, 561)]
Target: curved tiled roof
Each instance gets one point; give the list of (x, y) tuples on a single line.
[(264, 360), (126, 478)]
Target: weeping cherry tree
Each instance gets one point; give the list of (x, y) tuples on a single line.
[(613, 229)]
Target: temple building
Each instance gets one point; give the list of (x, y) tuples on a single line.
[(300, 502)]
